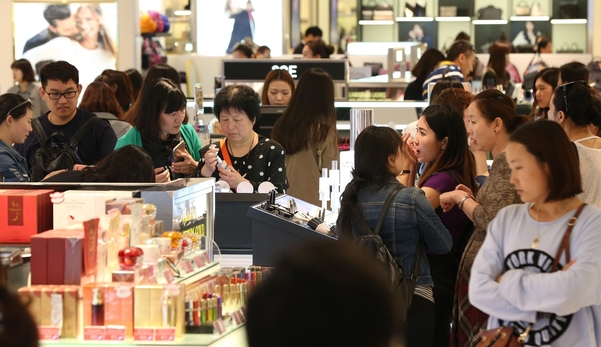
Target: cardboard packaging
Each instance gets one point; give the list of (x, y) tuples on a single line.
[(57, 257), (81, 205), (24, 213), (148, 308), (39, 300), (118, 307)]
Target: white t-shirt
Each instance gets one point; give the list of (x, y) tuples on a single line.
[(89, 62), (590, 170), (573, 296)]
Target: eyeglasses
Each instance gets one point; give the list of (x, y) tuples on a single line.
[(565, 86), (28, 101), (55, 96)]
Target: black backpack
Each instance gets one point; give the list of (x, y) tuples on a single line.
[(402, 286), (48, 159)]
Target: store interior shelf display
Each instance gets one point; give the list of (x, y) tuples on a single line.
[(129, 263), (431, 21)]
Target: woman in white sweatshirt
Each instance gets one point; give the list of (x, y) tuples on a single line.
[(511, 276)]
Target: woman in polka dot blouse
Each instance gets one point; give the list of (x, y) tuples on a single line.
[(250, 157)]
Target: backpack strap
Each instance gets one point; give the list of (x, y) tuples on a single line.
[(83, 131), (39, 131), (391, 196)]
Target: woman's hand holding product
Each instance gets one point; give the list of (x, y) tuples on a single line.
[(184, 163)]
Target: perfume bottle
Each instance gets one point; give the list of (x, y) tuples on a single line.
[(97, 307), (168, 310)]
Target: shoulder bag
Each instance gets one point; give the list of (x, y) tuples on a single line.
[(506, 336)]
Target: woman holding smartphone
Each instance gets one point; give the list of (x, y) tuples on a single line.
[(159, 126)]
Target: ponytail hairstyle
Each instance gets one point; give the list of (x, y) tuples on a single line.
[(447, 123), (581, 107), (373, 148), (493, 104)]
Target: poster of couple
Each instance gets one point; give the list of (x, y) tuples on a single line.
[(84, 34)]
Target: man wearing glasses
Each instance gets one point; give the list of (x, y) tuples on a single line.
[(459, 63), (60, 90)]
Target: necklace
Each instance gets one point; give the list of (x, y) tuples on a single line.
[(536, 240), (229, 147)]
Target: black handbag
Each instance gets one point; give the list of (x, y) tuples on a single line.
[(569, 9), (490, 12)]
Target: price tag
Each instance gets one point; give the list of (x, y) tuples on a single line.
[(94, 333), (164, 334), (115, 333), (219, 326), (186, 265), (168, 276), (242, 316), (237, 318), (205, 255), (199, 261), (144, 334), (49, 333)]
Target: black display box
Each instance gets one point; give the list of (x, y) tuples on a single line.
[(273, 235)]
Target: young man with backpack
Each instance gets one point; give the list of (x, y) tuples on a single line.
[(66, 135)]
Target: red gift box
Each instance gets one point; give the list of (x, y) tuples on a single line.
[(24, 213), (57, 257)]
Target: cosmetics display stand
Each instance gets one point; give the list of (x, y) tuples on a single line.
[(274, 234)]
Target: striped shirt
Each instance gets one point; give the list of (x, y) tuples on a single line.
[(445, 69)]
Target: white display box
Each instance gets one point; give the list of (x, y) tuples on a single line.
[(81, 205)]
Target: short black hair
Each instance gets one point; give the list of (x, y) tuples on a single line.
[(59, 71), (262, 49), (458, 47), (52, 13), (111, 168), (240, 98), (315, 31), (25, 66), (244, 49), (333, 282), (574, 71)]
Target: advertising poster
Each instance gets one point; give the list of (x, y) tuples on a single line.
[(224, 23), (83, 34)]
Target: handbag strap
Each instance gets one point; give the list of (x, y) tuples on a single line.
[(385, 208), (565, 242), (416, 258)]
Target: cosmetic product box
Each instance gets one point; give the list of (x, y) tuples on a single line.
[(24, 213), (39, 299), (123, 205), (81, 205), (148, 309), (118, 301), (57, 257)]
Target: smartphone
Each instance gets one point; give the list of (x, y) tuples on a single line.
[(177, 149)]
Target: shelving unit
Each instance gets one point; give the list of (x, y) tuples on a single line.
[(547, 16)]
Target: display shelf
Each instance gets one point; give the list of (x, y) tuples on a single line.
[(375, 22), (234, 336)]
